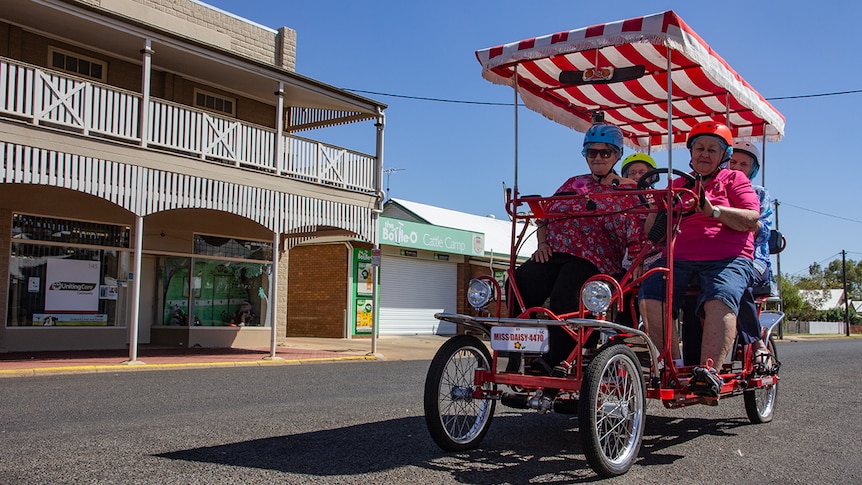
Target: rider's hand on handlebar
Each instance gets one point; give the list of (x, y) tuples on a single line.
[(650, 200)]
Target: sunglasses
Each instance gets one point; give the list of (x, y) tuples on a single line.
[(604, 153)]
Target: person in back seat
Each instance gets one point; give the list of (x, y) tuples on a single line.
[(634, 167), (746, 160)]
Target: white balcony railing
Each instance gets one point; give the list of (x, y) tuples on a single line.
[(47, 98)]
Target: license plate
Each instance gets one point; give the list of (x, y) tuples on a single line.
[(519, 339)]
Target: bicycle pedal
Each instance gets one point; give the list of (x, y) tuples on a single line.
[(705, 382)]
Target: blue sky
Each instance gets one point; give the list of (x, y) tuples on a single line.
[(458, 155)]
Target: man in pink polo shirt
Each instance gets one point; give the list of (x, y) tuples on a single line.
[(714, 245)]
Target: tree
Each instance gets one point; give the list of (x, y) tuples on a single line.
[(794, 306), (821, 278), (832, 277)]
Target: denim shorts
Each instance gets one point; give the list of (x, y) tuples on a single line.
[(723, 280)]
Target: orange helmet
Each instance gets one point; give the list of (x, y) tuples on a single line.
[(712, 128)]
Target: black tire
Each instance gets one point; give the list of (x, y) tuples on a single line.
[(612, 411), (456, 420), (760, 402)]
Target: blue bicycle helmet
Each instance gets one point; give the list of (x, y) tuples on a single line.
[(603, 133), (749, 149)]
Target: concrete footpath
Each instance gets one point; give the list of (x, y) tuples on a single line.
[(290, 351)]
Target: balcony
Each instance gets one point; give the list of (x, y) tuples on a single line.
[(47, 98)]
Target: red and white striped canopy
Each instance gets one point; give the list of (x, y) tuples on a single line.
[(704, 87)]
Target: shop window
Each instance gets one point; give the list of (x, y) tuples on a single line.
[(175, 293), (62, 273), (31, 228), (226, 283), (232, 247)]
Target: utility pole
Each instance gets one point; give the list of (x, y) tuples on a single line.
[(778, 276), (846, 297)]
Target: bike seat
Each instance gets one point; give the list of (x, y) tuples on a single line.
[(762, 290)]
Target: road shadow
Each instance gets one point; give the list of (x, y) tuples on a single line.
[(663, 433), (519, 448)]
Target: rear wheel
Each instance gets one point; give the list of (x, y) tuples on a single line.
[(612, 412), (760, 402), (457, 420)]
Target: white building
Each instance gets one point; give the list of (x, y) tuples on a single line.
[(419, 279), (823, 299)]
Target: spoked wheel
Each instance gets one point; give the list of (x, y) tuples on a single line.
[(760, 402), (612, 412), (456, 420)]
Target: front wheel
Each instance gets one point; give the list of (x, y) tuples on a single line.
[(612, 413), (760, 402), (455, 418)]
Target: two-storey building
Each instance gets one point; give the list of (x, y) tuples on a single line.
[(159, 161)]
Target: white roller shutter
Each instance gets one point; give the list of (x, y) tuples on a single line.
[(412, 291)]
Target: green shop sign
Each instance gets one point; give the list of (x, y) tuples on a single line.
[(406, 234)]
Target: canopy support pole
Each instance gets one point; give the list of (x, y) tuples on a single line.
[(669, 121), (136, 290), (513, 258), (727, 108), (668, 317), (516, 128), (273, 293), (763, 157), (375, 220)]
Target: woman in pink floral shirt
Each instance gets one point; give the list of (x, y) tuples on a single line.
[(571, 250)]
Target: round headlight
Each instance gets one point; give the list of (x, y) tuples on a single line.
[(479, 293), (596, 296)]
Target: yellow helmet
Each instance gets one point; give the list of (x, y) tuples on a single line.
[(637, 157)]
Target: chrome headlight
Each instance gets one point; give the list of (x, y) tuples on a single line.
[(479, 293), (596, 296)]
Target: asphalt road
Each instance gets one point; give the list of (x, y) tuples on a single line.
[(362, 422)]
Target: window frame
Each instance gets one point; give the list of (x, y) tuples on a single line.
[(198, 91), (80, 57)]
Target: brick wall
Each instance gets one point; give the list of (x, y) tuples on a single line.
[(281, 295), (5, 38), (285, 56), (240, 36), (317, 290), (34, 49)]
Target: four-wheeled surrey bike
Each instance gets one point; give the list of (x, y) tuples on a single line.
[(623, 72)]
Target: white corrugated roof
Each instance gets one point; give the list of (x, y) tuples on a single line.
[(823, 299), (498, 233)]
